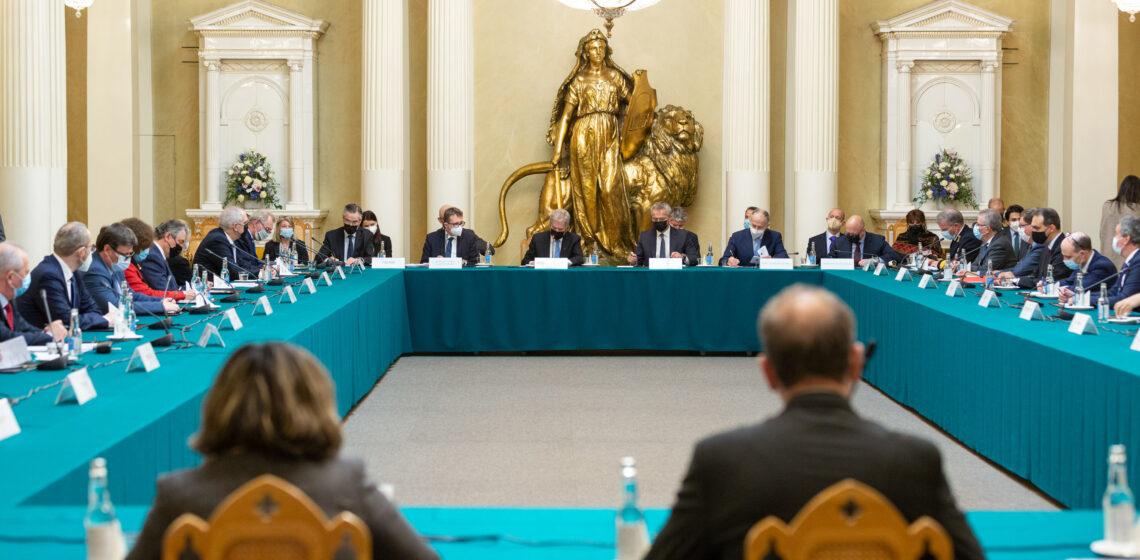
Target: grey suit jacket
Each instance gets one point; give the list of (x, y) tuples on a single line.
[(335, 485), (999, 250)]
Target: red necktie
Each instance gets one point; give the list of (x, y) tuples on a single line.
[(8, 315)]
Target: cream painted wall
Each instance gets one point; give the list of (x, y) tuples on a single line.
[(523, 51)]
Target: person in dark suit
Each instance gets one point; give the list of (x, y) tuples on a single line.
[(774, 468), (221, 244), (452, 240), (381, 244), (145, 247), (1125, 243), (114, 250), (1013, 230), (170, 238), (347, 244), (60, 276), (862, 245), (285, 236), (823, 243), (14, 280), (677, 219), (481, 246), (663, 241), (243, 435), (961, 238), (1080, 257), (995, 248), (1046, 236), (257, 229), (558, 242), (754, 241)]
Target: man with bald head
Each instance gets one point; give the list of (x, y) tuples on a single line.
[(825, 242), (14, 280), (739, 477), (60, 276), (1080, 257), (861, 245)]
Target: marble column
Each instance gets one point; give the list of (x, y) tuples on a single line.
[(384, 125), (746, 109), (451, 102), (33, 123), (988, 187), (296, 200), (904, 192), (213, 198), (817, 115)]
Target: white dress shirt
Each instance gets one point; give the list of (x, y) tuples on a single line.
[(555, 243), (67, 274)]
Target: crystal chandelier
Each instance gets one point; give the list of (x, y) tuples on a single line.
[(1131, 7), (612, 9), (78, 5)]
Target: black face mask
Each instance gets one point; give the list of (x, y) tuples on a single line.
[(557, 234), (175, 251), (915, 229), (1038, 237), (661, 226), (349, 230), (853, 238)]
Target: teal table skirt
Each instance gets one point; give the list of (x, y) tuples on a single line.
[(50, 533), (518, 309)]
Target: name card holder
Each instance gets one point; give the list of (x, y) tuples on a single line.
[(955, 289), (989, 299), (867, 265), (14, 352), (308, 287), (230, 320), (262, 306), (326, 278), (543, 263), (340, 272), (8, 425), (664, 264), (211, 336), (288, 296), (836, 264), (1136, 342), (903, 275), (399, 263), (776, 264), (880, 269), (77, 388), (1082, 324), (445, 263), (1031, 311), (927, 282), (143, 359)]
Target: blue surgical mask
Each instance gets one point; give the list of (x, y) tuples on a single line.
[(141, 256), (977, 231), (946, 235), (24, 286), (262, 235), (1072, 264), (1117, 246), (121, 263), (287, 233), (747, 224)]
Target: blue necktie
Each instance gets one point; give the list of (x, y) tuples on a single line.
[(351, 247), (557, 248), (756, 245), (661, 246), (447, 249), (74, 293)]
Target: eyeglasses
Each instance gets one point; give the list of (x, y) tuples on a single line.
[(128, 255), (457, 224)]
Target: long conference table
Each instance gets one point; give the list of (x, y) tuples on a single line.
[(1041, 402)]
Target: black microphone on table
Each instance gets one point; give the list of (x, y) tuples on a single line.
[(254, 290), (164, 323), (61, 361), (325, 263)]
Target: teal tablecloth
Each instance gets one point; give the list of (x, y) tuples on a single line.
[(50, 533)]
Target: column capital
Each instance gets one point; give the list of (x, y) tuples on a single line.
[(990, 65), (212, 64), (904, 65), (295, 64)]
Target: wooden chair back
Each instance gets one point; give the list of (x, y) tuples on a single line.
[(266, 518), (894, 230), (848, 520)]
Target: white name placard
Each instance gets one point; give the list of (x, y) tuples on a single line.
[(866, 265), (14, 352), (230, 320), (8, 425), (880, 269), (988, 299), (955, 289), (77, 388), (210, 335), (143, 359), (262, 306), (836, 264), (664, 264), (339, 273), (1031, 311), (378, 262), (776, 264), (326, 278), (445, 263), (903, 275), (308, 287), (1136, 342), (1082, 324), (287, 296), (543, 263), (927, 282)]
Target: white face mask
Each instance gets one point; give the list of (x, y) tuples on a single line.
[(1117, 246), (757, 233), (457, 231), (372, 229), (1025, 235), (86, 264), (1015, 226)]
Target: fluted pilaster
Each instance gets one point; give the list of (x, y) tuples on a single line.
[(384, 126), (816, 114), (746, 109), (451, 102)]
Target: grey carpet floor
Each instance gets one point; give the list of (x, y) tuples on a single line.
[(550, 431)]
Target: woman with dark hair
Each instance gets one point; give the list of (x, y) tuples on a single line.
[(271, 410), (380, 242), (916, 232), (1126, 203)]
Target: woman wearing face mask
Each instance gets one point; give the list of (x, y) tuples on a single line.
[(1126, 203), (144, 243), (285, 236), (380, 241), (916, 232)]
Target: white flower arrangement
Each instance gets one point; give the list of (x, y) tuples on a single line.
[(947, 179), (250, 178)]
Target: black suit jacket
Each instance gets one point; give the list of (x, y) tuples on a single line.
[(213, 248), (680, 241), (180, 268), (335, 485), (381, 241), (739, 477), (965, 241), (467, 249), (999, 250), (48, 276), (247, 252), (273, 250), (820, 244), (873, 245), (32, 335), (540, 248), (333, 246), (1050, 255)]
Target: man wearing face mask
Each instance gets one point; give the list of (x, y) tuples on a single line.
[(14, 281), (452, 240), (481, 246), (1031, 251), (961, 238), (349, 243), (663, 241), (677, 220), (825, 242), (257, 230), (1045, 233), (755, 241), (170, 238), (1125, 243), (995, 247), (221, 243), (559, 242), (1013, 230), (104, 279), (1080, 257), (748, 215), (862, 246), (60, 276)]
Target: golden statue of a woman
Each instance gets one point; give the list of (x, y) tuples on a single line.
[(585, 133)]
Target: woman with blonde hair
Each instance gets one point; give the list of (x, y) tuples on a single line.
[(284, 237), (272, 410)]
